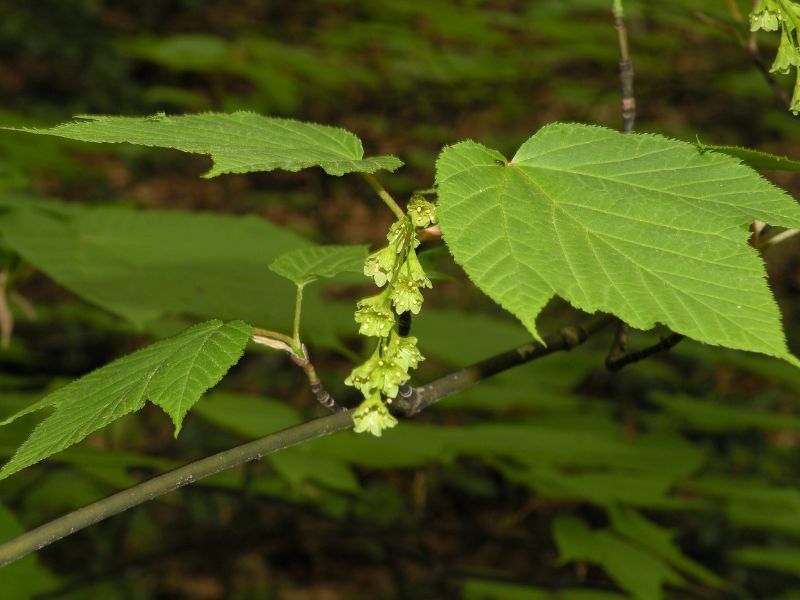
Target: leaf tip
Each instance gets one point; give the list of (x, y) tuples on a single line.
[(790, 358)]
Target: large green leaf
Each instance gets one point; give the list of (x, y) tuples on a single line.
[(642, 532), (637, 571), (143, 265), (640, 226), (757, 159), (779, 559), (603, 486), (239, 142), (172, 373), (704, 415), (308, 264), (753, 503), (248, 416)]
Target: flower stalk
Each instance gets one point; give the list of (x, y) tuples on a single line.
[(397, 270)]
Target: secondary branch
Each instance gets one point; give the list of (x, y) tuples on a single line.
[(625, 69), (418, 399)]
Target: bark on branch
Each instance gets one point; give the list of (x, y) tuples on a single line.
[(418, 399)]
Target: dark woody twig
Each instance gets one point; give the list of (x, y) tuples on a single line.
[(619, 346), (322, 395), (664, 345), (279, 341), (620, 343), (625, 69), (419, 398)]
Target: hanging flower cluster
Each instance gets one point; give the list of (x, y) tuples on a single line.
[(397, 269), (772, 15)]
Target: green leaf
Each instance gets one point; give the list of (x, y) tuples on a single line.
[(704, 415), (239, 142), (782, 560), (602, 487), (635, 570), (248, 416), (143, 265), (25, 579), (297, 466), (172, 373), (752, 503), (642, 532), (640, 226), (756, 159), (309, 264)]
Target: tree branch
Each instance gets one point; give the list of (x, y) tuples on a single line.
[(61, 527), (619, 346), (418, 399), (625, 69), (563, 339), (319, 391), (664, 345)]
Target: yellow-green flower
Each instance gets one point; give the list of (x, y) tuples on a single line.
[(378, 375), (401, 235), (415, 271), (766, 18), (422, 212), (373, 416), (380, 265), (787, 55), (374, 315), (795, 106), (403, 351), (406, 294)]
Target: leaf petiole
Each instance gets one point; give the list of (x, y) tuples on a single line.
[(298, 309), (273, 339), (383, 194)]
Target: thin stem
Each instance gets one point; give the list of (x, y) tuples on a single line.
[(749, 45), (6, 317), (14, 549), (23, 304), (567, 338), (321, 394), (665, 344), (93, 513), (736, 14), (628, 120), (625, 69), (298, 309), (620, 344), (384, 195)]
